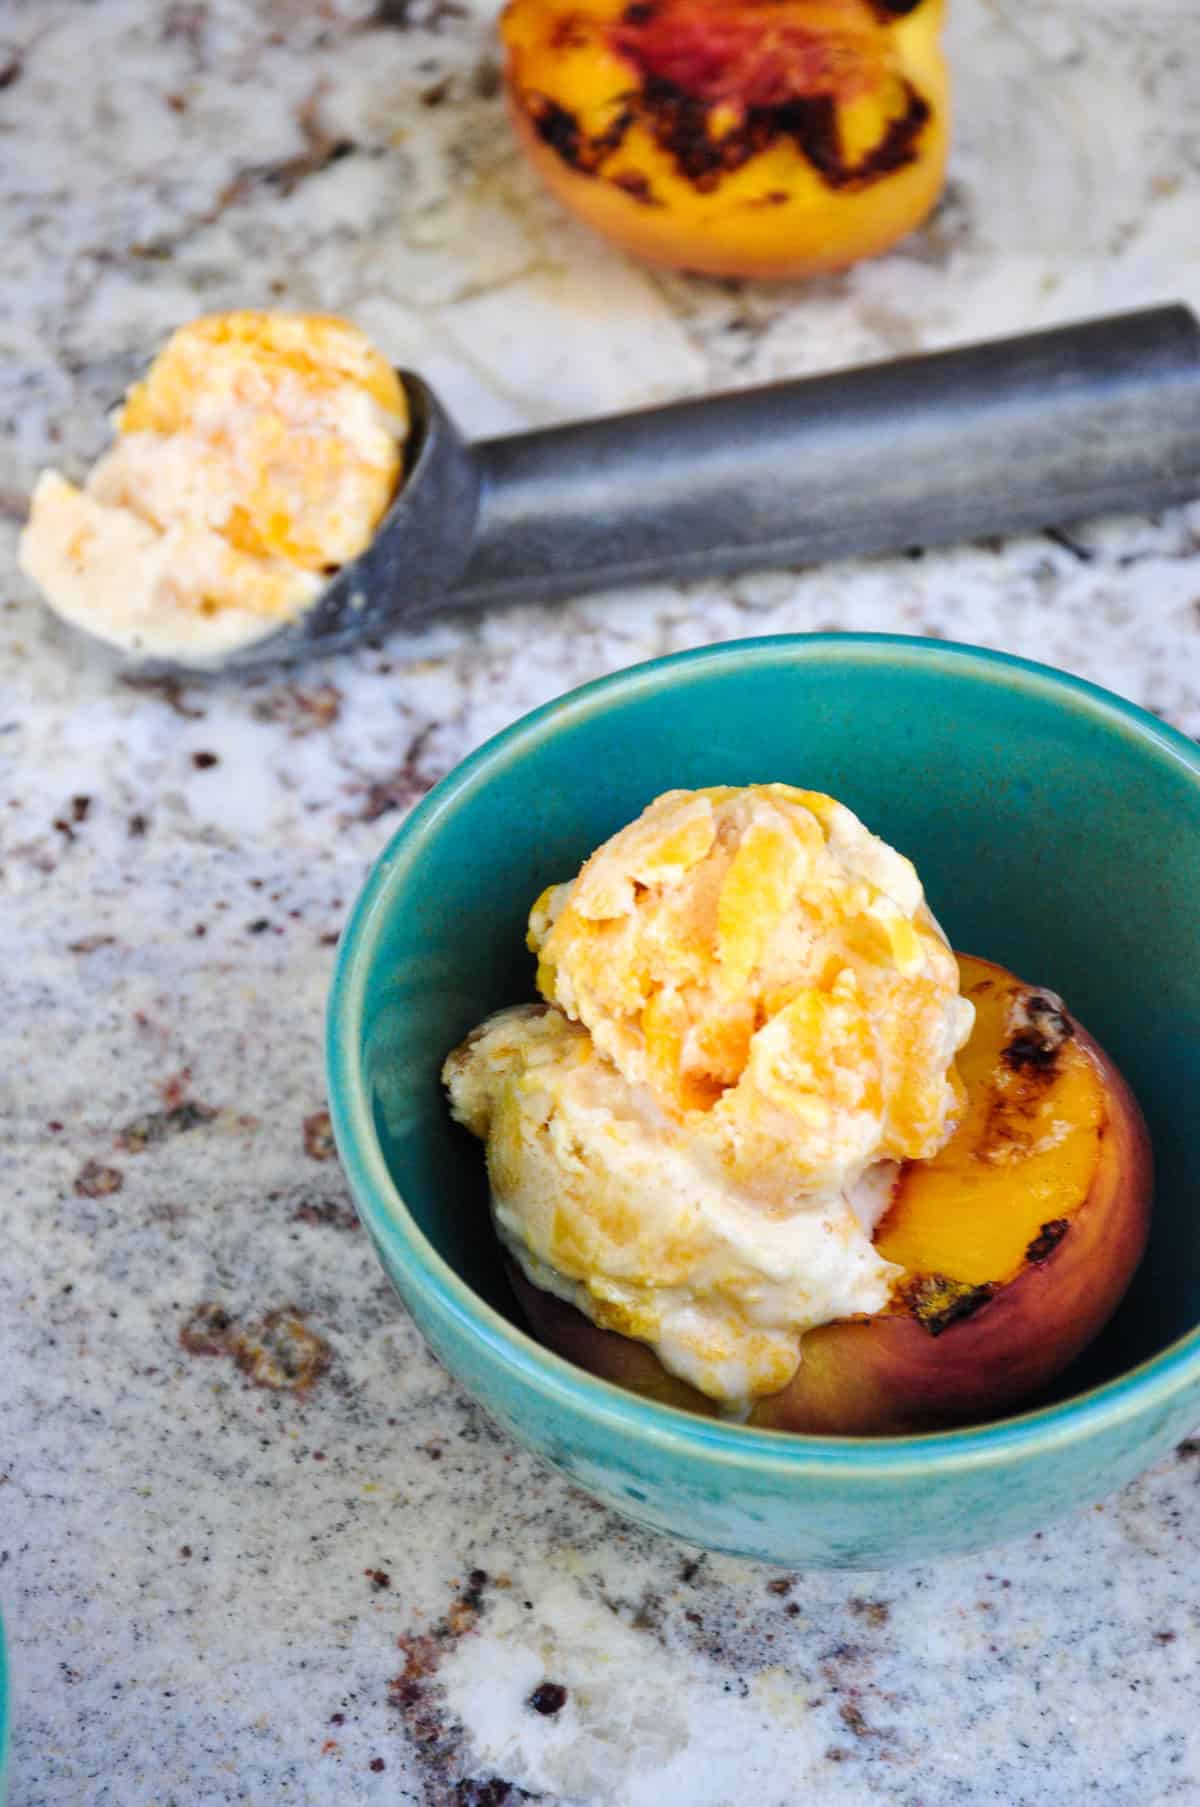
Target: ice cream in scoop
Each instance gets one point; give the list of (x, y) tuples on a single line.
[(256, 457)]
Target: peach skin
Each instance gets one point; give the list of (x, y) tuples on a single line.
[(768, 138), (1016, 1243)]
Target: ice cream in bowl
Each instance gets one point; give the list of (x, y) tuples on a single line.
[(708, 1164), (740, 1101)]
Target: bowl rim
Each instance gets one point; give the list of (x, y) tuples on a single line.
[(1151, 1384)]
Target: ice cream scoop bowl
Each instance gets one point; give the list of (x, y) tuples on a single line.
[(1056, 830)]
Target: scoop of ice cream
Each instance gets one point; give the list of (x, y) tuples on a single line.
[(598, 1196), (258, 455), (769, 971)]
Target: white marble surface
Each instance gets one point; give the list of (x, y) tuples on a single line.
[(190, 1562)]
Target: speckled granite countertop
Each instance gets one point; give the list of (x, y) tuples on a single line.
[(220, 1586)]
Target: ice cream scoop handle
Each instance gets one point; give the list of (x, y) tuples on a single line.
[(1023, 433)]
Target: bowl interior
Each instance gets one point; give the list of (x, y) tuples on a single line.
[(1056, 831)]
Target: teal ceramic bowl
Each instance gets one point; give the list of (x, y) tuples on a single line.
[(1057, 830)]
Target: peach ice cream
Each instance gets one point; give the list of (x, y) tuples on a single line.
[(257, 456), (751, 1018)]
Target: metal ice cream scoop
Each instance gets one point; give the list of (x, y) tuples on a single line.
[(1044, 429)]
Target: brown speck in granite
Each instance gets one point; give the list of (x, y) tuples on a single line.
[(400, 789), (94, 1180), (320, 149), (204, 761), (36, 853), (377, 1764), (548, 1698), (691, 1569), (10, 70), (160, 1126), (649, 1614), (853, 1658), (278, 1351), (174, 1091), (1165, 1637), (379, 1579), (80, 807), (301, 710), (792, 1609), (422, 1654), (853, 1719), (438, 94), (185, 1551), (337, 1719), (137, 826), (281, 1352), (463, 1611), (875, 1612), (54, 1126), (91, 943), (782, 1584), (169, 691), (207, 1330), (416, 1694), (326, 1214), (319, 1144)]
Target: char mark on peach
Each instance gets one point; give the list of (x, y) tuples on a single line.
[(680, 125), (1047, 1239), (936, 1301)]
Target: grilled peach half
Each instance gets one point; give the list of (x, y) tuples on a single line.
[(1016, 1244), (773, 138)]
